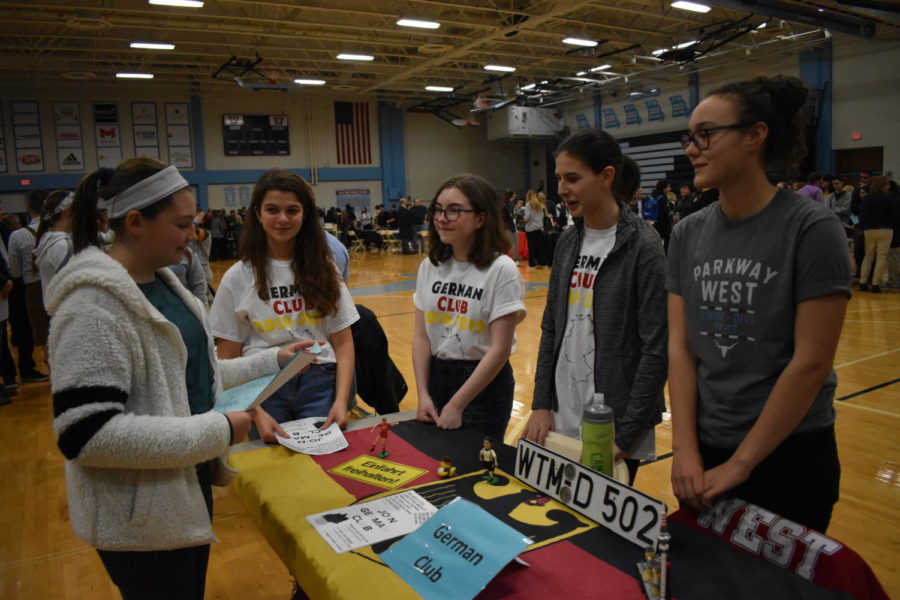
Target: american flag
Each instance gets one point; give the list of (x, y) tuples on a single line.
[(351, 126)]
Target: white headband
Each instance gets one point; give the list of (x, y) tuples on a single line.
[(66, 203), (146, 192)]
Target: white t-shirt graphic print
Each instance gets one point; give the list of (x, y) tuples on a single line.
[(239, 314), (575, 364), (460, 301)]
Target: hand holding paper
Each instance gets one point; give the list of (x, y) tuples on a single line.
[(286, 354)]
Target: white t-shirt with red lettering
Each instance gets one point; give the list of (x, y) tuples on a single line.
[(460, 301), (575, 364), (239, 314)]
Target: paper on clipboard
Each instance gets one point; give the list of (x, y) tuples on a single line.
[(253, 393)]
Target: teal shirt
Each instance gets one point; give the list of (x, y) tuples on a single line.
[(199, 372)]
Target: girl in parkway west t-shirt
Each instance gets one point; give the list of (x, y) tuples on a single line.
[(286, 288), (469, 299)]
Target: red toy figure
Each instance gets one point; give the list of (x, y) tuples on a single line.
[(382, 436)]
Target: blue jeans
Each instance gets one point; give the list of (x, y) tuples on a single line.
[(489, 411), (309, 394)]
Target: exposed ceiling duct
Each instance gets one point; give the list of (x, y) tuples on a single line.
[(808, 16)]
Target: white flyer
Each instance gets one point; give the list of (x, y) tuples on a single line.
[(306, 438), (367, 523)]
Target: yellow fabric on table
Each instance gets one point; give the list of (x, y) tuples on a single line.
[(295, 486)]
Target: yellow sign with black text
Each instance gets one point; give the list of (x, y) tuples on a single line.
[(377, 471)]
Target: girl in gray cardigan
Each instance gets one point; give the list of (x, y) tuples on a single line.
[(134, 381), (604, 326)]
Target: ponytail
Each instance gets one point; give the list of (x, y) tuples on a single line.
[(627, 181), (597, 149), (84, 210), (778, 102)]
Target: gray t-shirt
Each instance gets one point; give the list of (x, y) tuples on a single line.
[(741, 281)]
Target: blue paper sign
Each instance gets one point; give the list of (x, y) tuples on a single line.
[(241, 396), (455, 553)]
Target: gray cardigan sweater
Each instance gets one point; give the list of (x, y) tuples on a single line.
[(631, 329)]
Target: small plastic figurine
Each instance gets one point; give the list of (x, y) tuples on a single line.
[(381, 437), (446, 468), (488, 460)]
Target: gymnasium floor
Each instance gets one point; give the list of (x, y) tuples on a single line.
[(41, 559)]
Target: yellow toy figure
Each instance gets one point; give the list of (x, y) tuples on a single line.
[(381, 437), (488, 459), (446, 468)]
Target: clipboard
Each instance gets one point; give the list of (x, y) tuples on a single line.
[(260, 389)]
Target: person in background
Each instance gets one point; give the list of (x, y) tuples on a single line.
[(365, 219), (813, 188), (656, 210), (751, 382), (687, 200), (509, 219), (54, 242), (7, 366), (286, 287), (469, 299), (604, 324), (533, 219), (877, 215), (217, 231), (134, 382), (22, 268), (191, 275), (419, 214)]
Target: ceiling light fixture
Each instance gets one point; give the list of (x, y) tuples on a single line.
[(528, 87), (309, 81), (348, 56), (134, 75), (152, 46), (418, 23), (691, 6), (182, 3), (580, 73), (438, 88), (685, 45), (658, 51), (601, 68), (502, 68), (572, 41)]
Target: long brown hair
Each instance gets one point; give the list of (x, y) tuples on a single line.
[(491, 239), (313, 264)]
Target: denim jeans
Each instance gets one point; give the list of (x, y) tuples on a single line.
[(309, 394), (489, 411)]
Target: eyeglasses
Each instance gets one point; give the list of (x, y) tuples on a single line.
[(700, 138), (451, 214)]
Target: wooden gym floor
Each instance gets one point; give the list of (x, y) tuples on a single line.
[(40, 558)]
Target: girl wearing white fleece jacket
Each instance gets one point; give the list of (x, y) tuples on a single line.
[(134, 380)]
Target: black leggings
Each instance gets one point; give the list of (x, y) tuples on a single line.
[(799, 480)]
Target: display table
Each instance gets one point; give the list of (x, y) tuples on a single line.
[(572, 557)]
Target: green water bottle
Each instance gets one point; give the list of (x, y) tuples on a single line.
[(597, 436)]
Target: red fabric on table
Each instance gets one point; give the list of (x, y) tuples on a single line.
[(400, 451), (563, 570)]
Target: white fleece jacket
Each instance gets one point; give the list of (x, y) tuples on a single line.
[(121, 412)]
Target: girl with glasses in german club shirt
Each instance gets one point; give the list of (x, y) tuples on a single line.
[(758, 285), (469, 299), (134, 380), (286, 287), (604, 325)]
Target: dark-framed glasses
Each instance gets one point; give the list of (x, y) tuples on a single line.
[(451, 213), (700, 138)]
